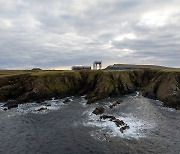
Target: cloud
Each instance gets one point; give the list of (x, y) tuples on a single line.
[(158, 19), (5, 24), (61, 33), (128, 36)]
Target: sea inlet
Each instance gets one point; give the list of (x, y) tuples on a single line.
[(71, 128)]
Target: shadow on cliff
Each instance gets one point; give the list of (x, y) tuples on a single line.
[(155, 84)]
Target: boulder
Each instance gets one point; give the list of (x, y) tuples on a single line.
[(98, 110), (111, 118), (114, 104), (119, 122), (5, 109), (118, 102), (11, 104), (42, 108), (66, 101), (122, 129)]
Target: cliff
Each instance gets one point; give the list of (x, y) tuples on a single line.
[(29, 86), (165, 86)]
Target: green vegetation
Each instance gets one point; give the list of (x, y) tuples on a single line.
[(5, 73), (39, 85), (171, 70)]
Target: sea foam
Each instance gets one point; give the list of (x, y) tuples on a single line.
[(138, 128)]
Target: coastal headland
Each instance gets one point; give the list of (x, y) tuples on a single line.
[(17, 86)]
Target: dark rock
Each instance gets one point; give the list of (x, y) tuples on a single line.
[(41, 109), (94, 99), (111, 106), (98, 110), (11, 104), (66, 101), (118, 102), (150, 95), (38, 97), (122, 129), (107, 117), (118, 122), (114, 104), (86, 97), (5, 109)]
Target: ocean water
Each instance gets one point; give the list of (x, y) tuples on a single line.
[(73, 128)]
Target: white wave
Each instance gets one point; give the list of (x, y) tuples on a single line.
[(89, 113), (138, 128), (170, 109), (83, 101), (1, 106), (136, 95), (70, 98), (99, 135), (83, 96), (160, 104), (40, 108)]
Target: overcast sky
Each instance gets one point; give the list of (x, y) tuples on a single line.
[(61, 33)]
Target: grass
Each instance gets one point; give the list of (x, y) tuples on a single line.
[(5, 73), (171, 70)]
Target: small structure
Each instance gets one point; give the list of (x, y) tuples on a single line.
[(81, 68), (96, 63)]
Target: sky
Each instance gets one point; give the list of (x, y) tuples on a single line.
[(57, 34)]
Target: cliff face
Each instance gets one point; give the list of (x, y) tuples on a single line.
[(39, 86), (165, 86)]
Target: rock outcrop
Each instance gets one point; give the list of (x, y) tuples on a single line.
[(42, 109), (114, 104), (10, 105), (43, 85), (119, 123), (99, 110), (165, 87)]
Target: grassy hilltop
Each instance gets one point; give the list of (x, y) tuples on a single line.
[(29, 86)]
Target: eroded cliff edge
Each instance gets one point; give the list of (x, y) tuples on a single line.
[(43, 85)]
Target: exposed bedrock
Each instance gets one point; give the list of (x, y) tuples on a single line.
[(165, 87), (97, 85), (119, 123)]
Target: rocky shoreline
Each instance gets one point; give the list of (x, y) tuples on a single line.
[(119, 123), (97, 85)]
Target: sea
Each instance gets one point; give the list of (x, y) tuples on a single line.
[(54, 127)]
